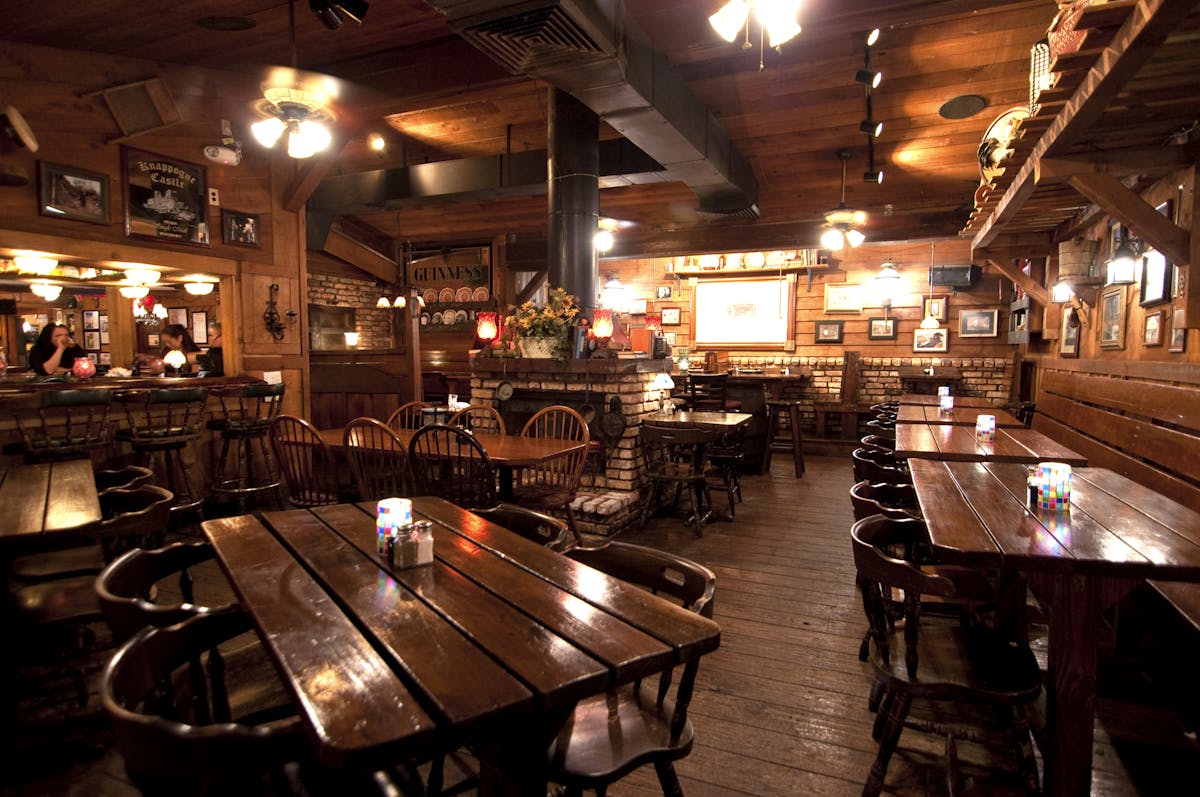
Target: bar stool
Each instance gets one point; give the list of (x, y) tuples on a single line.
[(777, 409), (246, 415), (159, 426), (63, 424)]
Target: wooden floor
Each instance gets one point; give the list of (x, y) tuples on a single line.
[(780, 709)]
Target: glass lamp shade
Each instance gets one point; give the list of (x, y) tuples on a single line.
[(855, 238), (351, 339), (142, 276), (46, 290), (654, 322), (929, 322), (663, 381), (832, 239), (383, 303), (1123, 266), (730, 19), (886, 284), (134, 291), (485, 327), (1062, 292), (612, 297), (603, 240), (198, 288), (175, 358), (83, 368), (400, 303), (35, 264), (267, 131), (602, 324)]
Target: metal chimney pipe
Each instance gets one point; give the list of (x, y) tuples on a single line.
[(573, 174)]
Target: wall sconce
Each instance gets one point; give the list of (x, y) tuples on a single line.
[(886, 285), (486, 328), (1122, 265), (654, 322), (352, 339), (271, 317)]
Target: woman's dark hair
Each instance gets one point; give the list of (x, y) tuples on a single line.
[(43, 343), (185, 338)]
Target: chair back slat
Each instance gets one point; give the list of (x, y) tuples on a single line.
[(308, 465), (408, 416), (707, 391), (64, 424), (126, 588), (891, 500), (249, 407), (136, 518), (479, 418), (563, 473), (448, 462), (153, 415), (530, 524), (377, 459)]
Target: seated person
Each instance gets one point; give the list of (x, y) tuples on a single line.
[(54, 352), (212, 362), (175, 337)]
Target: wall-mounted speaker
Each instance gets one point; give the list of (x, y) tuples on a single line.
[(140, 107), (955, 276)]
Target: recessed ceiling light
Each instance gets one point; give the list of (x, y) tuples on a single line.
[(213, 22), (963, 106)]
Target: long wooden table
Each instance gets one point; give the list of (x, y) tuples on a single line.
[(37, 501), (492, 645), (1079, 563), (922, 399), (959, 416), (958, 444), (506, 451)]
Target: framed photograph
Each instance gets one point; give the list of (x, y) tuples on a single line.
[(744, 313), (65, 192), (91, 340), (104, 323), (1156, 278), (1112, 317), (94, 357), (239, 229), (1178, 341), (931, 339), (103, 337), (881, 328), (91, 320), (670, 316), (829, 332), (152, 340), (1152, 329), (200, 327), (670, 336), (841, 297), (1178, 283), (177, 315), (977, 324), (936, 307), (105, 358), (165, 199), (1068, 339), (637, 306), (662, 292)]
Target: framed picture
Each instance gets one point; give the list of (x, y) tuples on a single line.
[(177, 315), (91, 319), (1156, 278), (637, 306), (152, 340), (105, 358), (94, 357), (165, 199), (662, 292), (744, 313), (1178, 283), (1068, 339), (670, 316), (200, 327), (829, 332), (65, 192), (1152, 329), (841, 297), (1112, 317), (104, 323), (91, 340), (1178, 339), (239, 229), (103, 337), (931, 339), (977, 324), (670, 336), (936, 307), (881, 328)]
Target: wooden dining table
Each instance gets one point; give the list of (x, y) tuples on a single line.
[(959, 416), (714, 421), (1079, 563), (506, 451), (491, 645), (959, 444), (47, 499), (922, 399)]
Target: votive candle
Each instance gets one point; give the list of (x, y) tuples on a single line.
[(985, 428), (946, 403), (1054, 486), (943, 390), (391, 514)]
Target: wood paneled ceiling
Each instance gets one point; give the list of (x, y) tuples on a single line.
[(439, 99)]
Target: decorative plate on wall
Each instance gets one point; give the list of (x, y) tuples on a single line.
[(462, 294), (480, 294), (447, 295), (430, 295)]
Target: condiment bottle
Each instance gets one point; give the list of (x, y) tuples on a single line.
[(424, 529)]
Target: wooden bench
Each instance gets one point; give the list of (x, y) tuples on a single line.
[(1147, 430), (847, 406)]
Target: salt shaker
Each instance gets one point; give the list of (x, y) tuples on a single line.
[(424, 530)]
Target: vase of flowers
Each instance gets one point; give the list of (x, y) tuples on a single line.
[(541, 332)]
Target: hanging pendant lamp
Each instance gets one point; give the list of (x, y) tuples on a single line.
[(842, 222)]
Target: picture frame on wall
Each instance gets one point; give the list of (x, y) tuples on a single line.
[(152, 340), (91, 340), (828, 332), (931, 340), (240, 229), (1178, 340), (105, 358), (843, 297), (1156, 278), (177, 315), (1152, 329), (200, 327), (978, 324), (166, 199), (670, 337), (936, 306), (91, 320), (1068, 339), (671, 316), (1112, 317), (65, 192), (662, 292), (881, 328)]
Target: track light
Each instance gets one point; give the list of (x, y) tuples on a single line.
[(873, 37), (871, 127), (873, 176), (330, 12), (869, 77)]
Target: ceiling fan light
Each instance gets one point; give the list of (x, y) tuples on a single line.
[(267, 131), (142, 276), (869, 77), (198, 288), (832, 239), (35, 264), (134, 291), (855, 238), (730, 19)]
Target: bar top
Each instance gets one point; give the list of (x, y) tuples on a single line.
[(13, 384)]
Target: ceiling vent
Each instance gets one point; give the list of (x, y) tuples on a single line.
[(530, 39)]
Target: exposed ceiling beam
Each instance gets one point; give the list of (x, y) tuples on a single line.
[(1036, 291), (343, 247), (1134, 212), (1118, 162)]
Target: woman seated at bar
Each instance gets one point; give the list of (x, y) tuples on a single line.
[(54, 352), (175, 337)]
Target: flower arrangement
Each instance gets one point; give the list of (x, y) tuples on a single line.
[(552, 320)]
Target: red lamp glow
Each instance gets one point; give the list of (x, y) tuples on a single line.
[(485, 327), (654, 322), (83, 368), (602, 324)]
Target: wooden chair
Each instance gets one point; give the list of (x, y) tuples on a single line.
[(246, 412), (552, 485), (675, 459), (706, 392), (536, 526), (892, 500), (126, 589), (64, 424), (932, 658), (159, 425), (377, 459), (408, 416), (878, 442), (882, 428), (308, 466), (128, 477), (479, 418), (611, 735), (847, 405), (448, 462), (878, 466)]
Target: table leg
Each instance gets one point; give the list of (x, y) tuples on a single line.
[(506, 483), (513, 762)]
